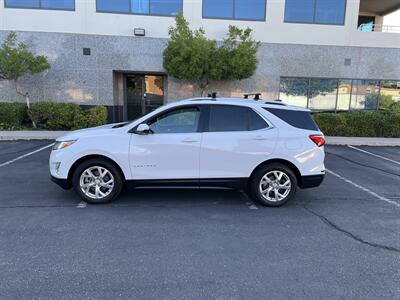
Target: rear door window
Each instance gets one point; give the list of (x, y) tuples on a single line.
[(298, 119), (234, 118)]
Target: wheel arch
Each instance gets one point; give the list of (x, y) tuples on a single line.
[(91, 156), (285, 162)]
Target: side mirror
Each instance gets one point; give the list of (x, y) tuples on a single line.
[(143, 129)]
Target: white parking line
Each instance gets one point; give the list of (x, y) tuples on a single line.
[(363, 188), (81, 204), (25, 155), (373, 154)]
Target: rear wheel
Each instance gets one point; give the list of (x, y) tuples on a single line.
[(273, 185), (97, 181)]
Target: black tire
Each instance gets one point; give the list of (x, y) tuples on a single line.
[(109, 166), (255, 180)]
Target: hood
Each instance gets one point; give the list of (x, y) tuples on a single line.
[(98, 130)]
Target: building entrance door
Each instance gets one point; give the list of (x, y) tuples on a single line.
[(144, 93)]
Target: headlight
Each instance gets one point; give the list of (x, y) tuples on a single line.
[(63, 144)]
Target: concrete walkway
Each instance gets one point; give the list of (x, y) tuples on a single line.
[(330, 140)]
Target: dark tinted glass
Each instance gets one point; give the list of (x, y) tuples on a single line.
[(298, 119), (165, 7), (178, 121), (255, 121), (250, 9), (228, 118), (218, 8), (23, 3), (330, 11), (299, 11), (58, 4), (234, 118), (113, 6)]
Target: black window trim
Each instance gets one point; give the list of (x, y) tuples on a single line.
[(207, 112), (40, 7), (233, 14), (149, 14), (200, 124), (316, 23)]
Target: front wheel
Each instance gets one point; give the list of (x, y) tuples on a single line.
[(97, 181), (273, 185)]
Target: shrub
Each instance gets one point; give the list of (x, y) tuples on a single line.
[(92, 117), (66, 116), (12, 115), (360, 123), (55, 116)]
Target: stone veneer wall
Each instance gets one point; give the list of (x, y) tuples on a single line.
[(90, 80)]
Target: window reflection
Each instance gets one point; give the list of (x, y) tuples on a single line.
[(323, 94), (294, 91), (148, 7), (390, 94), (344, 94), (364, 94)]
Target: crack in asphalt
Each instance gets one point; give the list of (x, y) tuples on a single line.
[(360, 164), (348, 233)]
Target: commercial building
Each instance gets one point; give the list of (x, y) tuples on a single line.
[(322, 54)]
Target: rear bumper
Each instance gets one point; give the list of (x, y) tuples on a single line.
[(61, 182), (311, 181)]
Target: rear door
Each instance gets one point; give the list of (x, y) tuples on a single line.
[(235, 141)]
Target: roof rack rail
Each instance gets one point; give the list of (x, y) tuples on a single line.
[(275, 102), (256, 96)]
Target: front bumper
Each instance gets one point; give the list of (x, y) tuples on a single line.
[(64, 183), (311, 181)]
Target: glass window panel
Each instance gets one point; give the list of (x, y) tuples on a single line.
[(255, 121), (58, 4), (322, 94), (250, 9), (228, 118), (330, 11), (218, 8), (365, 94), (299, 11), (23, 3), (113, 5), (140, 6), (344, 94), (165, 7), (390, 93), (294, 91), (178, 121)]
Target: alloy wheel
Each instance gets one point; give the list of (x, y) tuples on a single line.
[(275, 186), (96, 182)]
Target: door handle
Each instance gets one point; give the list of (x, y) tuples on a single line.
[(259, 138), (189, 140)]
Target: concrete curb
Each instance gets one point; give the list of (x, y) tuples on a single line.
[(30, 135), (362, 141), (330, 140)]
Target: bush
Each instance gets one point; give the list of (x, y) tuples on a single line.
[(66, 116), (50, 116), (360, 123), (92, 117), (12, 115)]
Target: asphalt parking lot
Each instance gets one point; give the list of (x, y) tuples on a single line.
[(341, 240)]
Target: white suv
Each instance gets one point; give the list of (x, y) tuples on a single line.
[(267, 148)]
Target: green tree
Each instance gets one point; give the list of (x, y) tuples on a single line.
[(16, 61), (191, 56)]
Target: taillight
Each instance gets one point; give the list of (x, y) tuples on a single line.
[(318, 139)]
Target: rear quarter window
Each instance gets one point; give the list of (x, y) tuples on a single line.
[(298, 119)]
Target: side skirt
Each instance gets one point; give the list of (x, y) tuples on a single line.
[(231, 183)]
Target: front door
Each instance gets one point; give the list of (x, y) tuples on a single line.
[(144, 93), (171, 150)]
